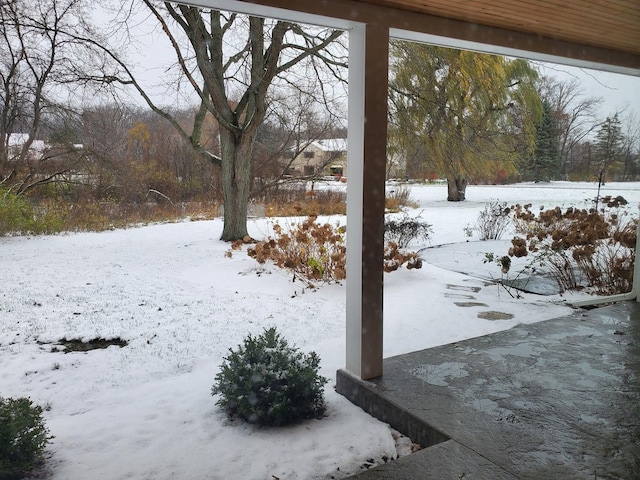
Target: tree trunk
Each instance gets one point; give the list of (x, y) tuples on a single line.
[(3, 158), (236, 173), (456, 188)]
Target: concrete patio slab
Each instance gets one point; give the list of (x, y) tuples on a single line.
[(555, 399)]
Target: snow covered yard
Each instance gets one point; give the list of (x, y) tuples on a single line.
[(144, 411)]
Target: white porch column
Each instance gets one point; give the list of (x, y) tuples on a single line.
[(368, 83)]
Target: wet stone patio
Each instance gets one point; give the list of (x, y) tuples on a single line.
[(559, 399)]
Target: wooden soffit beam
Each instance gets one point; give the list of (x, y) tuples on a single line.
[(408, 20)]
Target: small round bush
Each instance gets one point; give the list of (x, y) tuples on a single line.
[(16, 213), (23, 436), (404, 230), (267, 382)]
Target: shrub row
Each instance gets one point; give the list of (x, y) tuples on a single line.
[(580, 247), (317, 252)]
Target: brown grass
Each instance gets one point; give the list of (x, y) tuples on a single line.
[(57, 215), (397, 198), (60, 216), (297, 201)]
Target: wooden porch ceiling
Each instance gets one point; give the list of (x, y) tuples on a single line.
[(593, 33), (608, 24)]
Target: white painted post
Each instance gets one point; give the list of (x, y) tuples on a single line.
[(368, 83), (355, 161)]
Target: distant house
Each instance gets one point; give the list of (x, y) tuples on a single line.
[(321, 158), (15, 144)]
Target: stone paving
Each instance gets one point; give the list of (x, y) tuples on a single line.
[(559, 399)]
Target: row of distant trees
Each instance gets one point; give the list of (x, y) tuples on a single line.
[(466, 116), (127, 152), (237, 70), (573, 143), (262, 90), (121, 153)]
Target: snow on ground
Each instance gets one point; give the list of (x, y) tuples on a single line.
[(145, 411)]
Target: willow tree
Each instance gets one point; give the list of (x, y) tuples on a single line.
[(471, 114)]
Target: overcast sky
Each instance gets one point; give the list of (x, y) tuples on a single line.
[(621, 93)]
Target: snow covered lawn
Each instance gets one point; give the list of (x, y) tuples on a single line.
[(144, 411)]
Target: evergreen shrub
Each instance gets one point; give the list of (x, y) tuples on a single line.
[(23, 437), (267, 382)]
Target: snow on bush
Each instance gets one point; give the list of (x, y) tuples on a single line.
[(579, 247), (23, 437), (267, 382)]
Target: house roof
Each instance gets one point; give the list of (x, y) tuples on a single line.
[(331, 144), (19, 139)]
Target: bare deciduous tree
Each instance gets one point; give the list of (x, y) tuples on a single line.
[(231, 62), (575, 112), (38, 58), (631, 146)]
